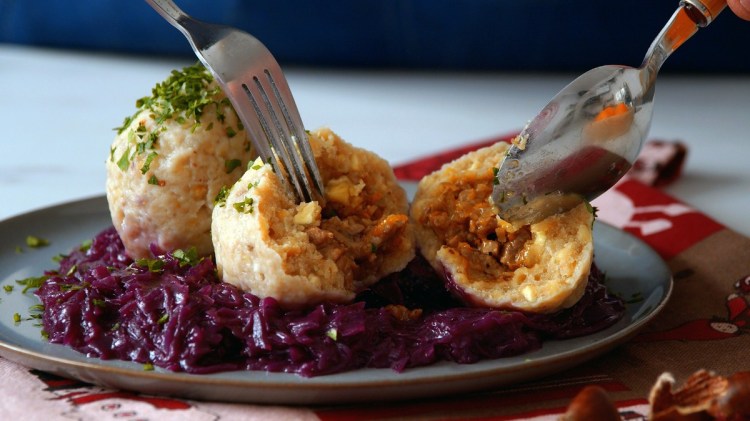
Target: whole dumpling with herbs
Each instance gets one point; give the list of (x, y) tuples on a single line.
[(170, 160), (302, 254)]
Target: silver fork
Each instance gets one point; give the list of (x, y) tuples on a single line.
[(254, 83)]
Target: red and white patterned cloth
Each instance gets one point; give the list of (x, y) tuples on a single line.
[(705, 325)]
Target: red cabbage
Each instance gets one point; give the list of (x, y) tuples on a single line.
[(181, 317)]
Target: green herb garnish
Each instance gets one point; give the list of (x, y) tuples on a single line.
[(246, 206), (221, 198), (32, 282), (124, 162), (35, 242), (72, 270), (189, 257), (85, 246), (183, 97), (231, 164), (147, 165), (153, 265)]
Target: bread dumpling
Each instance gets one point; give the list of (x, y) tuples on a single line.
[(170, 160), (321, 251), (487, 262)]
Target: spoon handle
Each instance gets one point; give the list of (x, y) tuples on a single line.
[(686, 20), (703, 12)]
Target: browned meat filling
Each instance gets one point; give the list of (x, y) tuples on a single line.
[(357, 239), (465, 221)]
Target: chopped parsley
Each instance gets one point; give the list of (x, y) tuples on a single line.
[(495, 180), (86, 245), (189, 257), (73, 287), (246, 206), (183, 97), (163, 319), (32, 282), (636, 297), (221, 198), (35, 242), (153, 265), (72, 270), (8, 288), (147, 165), (255, 165), (231, 164), (124, 162)]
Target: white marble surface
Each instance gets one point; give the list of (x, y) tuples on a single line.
[(58, 108)]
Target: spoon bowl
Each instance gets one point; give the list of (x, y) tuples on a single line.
[(589, 135)]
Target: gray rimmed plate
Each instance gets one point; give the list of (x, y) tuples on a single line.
[(633, 270)]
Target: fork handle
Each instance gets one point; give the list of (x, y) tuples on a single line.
[(169, 11)]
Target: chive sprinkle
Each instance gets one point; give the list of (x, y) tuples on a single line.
[(231, 164), (35, 242), (183, 97)]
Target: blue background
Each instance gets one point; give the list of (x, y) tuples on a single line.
[(490, 35)]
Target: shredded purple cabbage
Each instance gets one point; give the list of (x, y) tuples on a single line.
[(180, 317)]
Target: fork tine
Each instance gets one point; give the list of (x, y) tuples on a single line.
[(263, 99), (303, 146), (308, 167), (277, 132), (275, 152)]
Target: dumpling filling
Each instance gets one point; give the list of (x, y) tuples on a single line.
[(321, 251), (539, 268)]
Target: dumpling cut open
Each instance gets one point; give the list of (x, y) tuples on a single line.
[(321, 251), (486, 261)]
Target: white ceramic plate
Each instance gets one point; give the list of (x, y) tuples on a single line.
[(631, 266)]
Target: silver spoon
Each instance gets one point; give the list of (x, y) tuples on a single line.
[(590, 133)]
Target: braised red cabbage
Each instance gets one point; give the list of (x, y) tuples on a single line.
[(176, 314)]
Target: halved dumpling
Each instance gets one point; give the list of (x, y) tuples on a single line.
[(540, 268), (304, 254)]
